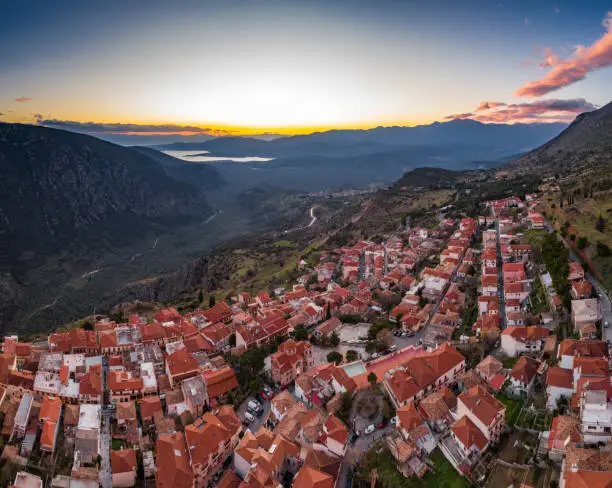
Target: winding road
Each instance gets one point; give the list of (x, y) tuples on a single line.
[(313, 219)]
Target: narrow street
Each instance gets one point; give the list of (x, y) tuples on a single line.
[(500, 279), (105, 476)]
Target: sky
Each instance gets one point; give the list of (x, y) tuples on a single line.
[(258, 67)]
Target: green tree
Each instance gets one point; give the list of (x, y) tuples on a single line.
[(600, 225), (352, 355), (334, 339), (602, 249), (572, 237), (334, 357), (232, 340), (582, 242), (300, 333), (201, 296), (211, 301), (372, 378)]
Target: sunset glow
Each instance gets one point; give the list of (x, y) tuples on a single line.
[(298, 67)]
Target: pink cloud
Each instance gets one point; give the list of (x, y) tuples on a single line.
[(466, 115), (568, 71), (22, 99), (489, 105), (551, 110)]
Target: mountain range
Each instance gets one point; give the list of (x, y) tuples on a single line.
[(488, 140)]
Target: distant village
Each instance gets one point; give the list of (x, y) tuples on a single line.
[(454, 349)]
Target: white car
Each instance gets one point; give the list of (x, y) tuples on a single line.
[(394, 420), (248, 417), (606, 324), (369, 429)]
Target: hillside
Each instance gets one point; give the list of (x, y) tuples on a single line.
[(585, 144), (578, 193), (204, 176), (67, 198), (59, 187)]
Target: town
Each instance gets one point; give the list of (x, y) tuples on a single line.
[(475, 352)]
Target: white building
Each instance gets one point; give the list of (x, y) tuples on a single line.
[(596, 416)]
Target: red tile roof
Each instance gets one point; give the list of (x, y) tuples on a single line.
[(468, 434), (90, 384), (47, 437), (50, 409), (525, 369), (572, 347), (308, 477), (120, 381), (173, 467), (525, 334), (409, 417), (336, 429), (482, 404), (123, 461), (559, 377), (207, 433), (181, 362), (150, 405), (219, 382)]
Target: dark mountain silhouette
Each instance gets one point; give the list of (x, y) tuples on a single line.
[(587, 141), (60, 189)]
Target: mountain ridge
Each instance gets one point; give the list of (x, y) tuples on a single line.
[(587, 141)]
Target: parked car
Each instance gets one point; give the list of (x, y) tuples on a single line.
[(255, 411), (606, 324), (394, 420), (248, 417), (254, 404), (392, 347), (369, 429)]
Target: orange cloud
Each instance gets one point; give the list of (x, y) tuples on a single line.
[(568, 71), (552, 110), (22, 99), (128, 129)]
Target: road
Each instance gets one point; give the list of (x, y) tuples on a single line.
[(500, 278), (604, 296), (354, 451), (313, 219), (258, 422), (105, 475)]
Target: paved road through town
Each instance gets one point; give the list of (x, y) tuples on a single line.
[(604, 295)]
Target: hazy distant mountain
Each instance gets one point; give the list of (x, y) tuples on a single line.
[(60, 189), (586, 141), (204, 176), (475, 140)]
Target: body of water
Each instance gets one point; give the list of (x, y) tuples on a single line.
[(206, 157)]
